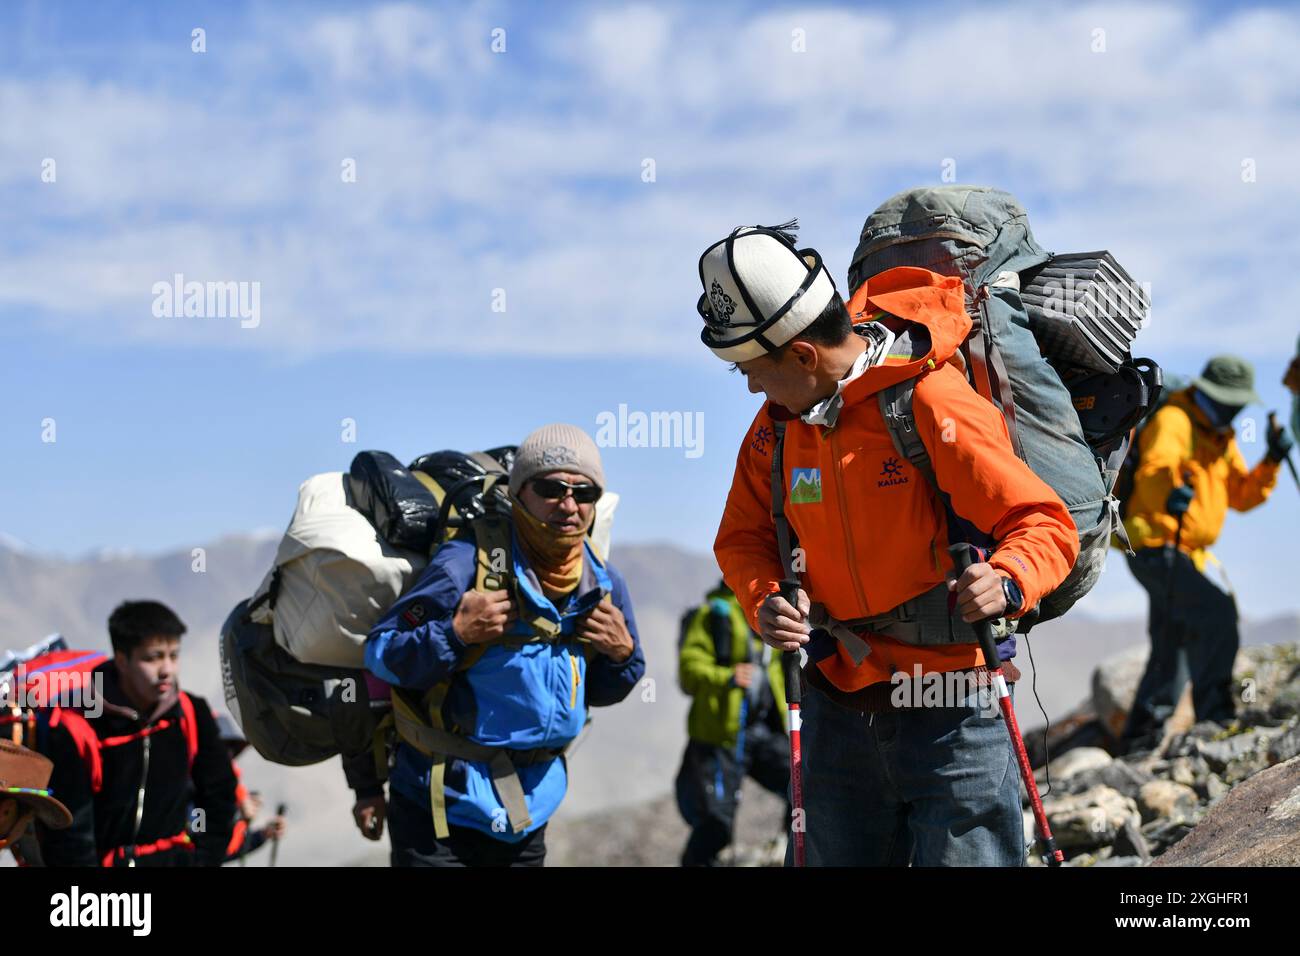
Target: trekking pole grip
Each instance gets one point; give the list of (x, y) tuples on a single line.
[(790, 659), (1272, 426), (961, 560)]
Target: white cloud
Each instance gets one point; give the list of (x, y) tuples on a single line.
[(522, 171)]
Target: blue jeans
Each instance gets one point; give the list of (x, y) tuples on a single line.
[(926, 786)]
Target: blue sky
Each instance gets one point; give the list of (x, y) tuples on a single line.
[(523, 171)]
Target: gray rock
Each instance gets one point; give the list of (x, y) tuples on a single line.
[(1123, 861), (1114, 685), (1287, 701), (1163, 834), (1118, 775), (1078, 761), (1090, 819), (1219, 753), (1124, 777), (1130, 842), (1205, 729), (1286, 745), (1211, 788), (1257, 824), (1264, 673), (1166, 800), (1189, 771)]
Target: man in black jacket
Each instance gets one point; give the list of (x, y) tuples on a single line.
[(130, 763)]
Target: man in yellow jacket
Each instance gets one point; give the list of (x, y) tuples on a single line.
[(1189, 473)]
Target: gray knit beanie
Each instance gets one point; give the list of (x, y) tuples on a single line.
[(556, 448)]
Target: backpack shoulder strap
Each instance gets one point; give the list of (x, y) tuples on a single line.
[(494, 566), (785, 543), (720, 629), (492, 563), (84, 738), (486, 462), (190, 728), (896, 403), (900, 421), (988, 371)]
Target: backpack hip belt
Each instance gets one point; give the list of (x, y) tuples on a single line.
[(922, 621), (129, 854), (439, 744)]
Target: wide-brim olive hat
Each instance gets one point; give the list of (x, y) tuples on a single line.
[(1228, 380)]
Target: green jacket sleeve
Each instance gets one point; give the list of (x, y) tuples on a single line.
[(697, 667)]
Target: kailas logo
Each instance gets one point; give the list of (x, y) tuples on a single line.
[(805, 486), (761, 438), (892, 473)]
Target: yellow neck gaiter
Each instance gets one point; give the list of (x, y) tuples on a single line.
[(556, 558)]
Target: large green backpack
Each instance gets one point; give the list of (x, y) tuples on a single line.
[(1068, 389)]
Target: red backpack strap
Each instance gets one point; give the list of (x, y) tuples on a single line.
[(190, 728), (86, 741)]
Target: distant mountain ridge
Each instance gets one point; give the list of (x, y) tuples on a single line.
[(630, 752)]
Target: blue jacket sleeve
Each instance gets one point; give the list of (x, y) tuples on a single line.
[(609, 681), (413, 645)]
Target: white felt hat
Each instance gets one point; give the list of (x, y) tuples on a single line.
[(759, 291)]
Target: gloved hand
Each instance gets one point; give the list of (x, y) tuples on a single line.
[(1180, 499), (1280, 442)]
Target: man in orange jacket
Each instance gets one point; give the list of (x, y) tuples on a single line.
[(894, 773)]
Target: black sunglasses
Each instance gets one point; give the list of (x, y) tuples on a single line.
[(552, 489)]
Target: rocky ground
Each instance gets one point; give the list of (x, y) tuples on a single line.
[(1206, 794), (1234, 787)]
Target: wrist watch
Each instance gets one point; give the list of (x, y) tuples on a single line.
[(1015, 599)]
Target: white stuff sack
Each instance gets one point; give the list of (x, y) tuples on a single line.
[(602, 526), (337, 577)]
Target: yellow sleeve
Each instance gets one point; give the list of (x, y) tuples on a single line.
[(1249, 489), (1163, 446)]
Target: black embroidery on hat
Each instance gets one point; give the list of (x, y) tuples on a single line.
[(723, 305)]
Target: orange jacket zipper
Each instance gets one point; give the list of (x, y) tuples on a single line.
[(848, 528)]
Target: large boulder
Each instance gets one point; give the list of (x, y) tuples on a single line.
[(1266, 678), (1256, 824), (1114, 685)]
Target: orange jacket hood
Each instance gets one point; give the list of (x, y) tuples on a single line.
[(935, 302)]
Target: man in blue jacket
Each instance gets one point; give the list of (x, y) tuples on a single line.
[(506, 675)]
